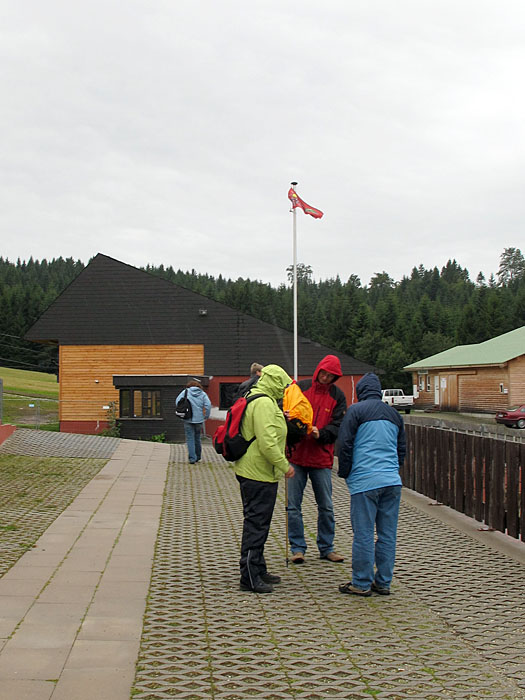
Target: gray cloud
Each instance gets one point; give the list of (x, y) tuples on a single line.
[(169, 132)]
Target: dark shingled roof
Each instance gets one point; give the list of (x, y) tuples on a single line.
[(111, 303)]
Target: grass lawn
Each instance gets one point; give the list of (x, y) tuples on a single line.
[(33, 493), (26, 412), (37, 384), (30, 399)]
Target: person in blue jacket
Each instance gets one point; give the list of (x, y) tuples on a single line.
[(201, 408), (371, 450)]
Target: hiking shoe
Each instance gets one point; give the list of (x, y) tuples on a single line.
[(270, 578), (297, 558), (381, 590), (349, 588), (259, 587), (332, 556)]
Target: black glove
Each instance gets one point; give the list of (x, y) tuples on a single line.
[(343, 471)]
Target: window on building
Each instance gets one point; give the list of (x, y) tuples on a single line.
[(429, 383), (421, 382), (227, 394), (125, 402), (140, 403), (501, 388)]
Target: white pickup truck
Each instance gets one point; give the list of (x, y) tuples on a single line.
[(398, 399)]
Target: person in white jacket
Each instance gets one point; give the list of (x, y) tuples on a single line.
[(201, 407)]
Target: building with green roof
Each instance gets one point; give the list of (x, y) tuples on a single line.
[(485, 377)]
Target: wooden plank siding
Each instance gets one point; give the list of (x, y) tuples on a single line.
[(82, 398), (424, 397), (481, 391), (477, 390), (517, 381)]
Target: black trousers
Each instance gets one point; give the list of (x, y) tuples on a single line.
[(258, 502)]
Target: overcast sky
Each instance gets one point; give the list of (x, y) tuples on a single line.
[(168, 131)]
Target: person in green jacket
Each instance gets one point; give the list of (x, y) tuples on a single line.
[(258, 472)]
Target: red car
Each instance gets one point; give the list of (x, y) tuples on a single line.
[(513, 417)]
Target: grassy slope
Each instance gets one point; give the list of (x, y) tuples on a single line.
[(36, 384)]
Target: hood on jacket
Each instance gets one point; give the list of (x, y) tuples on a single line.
[(330, 363), (368, 387), (195, 391), (273, 381)]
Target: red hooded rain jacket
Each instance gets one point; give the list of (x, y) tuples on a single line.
[(329, 407)]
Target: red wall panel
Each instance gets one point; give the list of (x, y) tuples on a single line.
[(6, 431)]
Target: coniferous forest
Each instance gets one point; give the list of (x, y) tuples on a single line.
[(387, 323)]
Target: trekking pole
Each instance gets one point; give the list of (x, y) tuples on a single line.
[(286, 513)]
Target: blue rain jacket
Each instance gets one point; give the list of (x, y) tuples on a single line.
[(200, 404), (371, 440)]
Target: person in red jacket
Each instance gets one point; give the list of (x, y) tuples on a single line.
[(313, 458)]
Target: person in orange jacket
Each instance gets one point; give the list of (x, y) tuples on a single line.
[(313, 458)]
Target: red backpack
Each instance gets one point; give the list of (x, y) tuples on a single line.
[(227, 439)]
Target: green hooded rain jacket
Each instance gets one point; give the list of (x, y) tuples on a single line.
[(265, 459)]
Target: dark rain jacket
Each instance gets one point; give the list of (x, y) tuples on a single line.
[(245, 386), (371, 440), (329, 406)]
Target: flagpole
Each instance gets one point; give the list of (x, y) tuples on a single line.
[(294, 209)]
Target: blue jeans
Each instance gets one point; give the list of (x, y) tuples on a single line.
[(193, 441), (377, 510), (322, 485)]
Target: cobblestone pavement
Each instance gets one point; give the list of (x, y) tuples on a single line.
[(454, 626), (42, 443)]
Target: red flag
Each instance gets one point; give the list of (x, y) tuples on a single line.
[(298, 202)]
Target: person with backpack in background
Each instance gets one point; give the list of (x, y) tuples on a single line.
[(258, 472), (200, 410), (255, 373), (313, 458)]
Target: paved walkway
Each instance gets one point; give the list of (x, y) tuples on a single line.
[(72, 610)]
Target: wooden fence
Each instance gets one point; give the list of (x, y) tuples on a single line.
[(482, 477)]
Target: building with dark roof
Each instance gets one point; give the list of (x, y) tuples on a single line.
[(121, 329)]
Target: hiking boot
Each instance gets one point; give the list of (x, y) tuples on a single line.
[(349, 588), (332, 556), (381, 590), (270, 578), (297, 558), (259, 587)]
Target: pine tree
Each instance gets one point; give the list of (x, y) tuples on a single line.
[(511, 266)]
